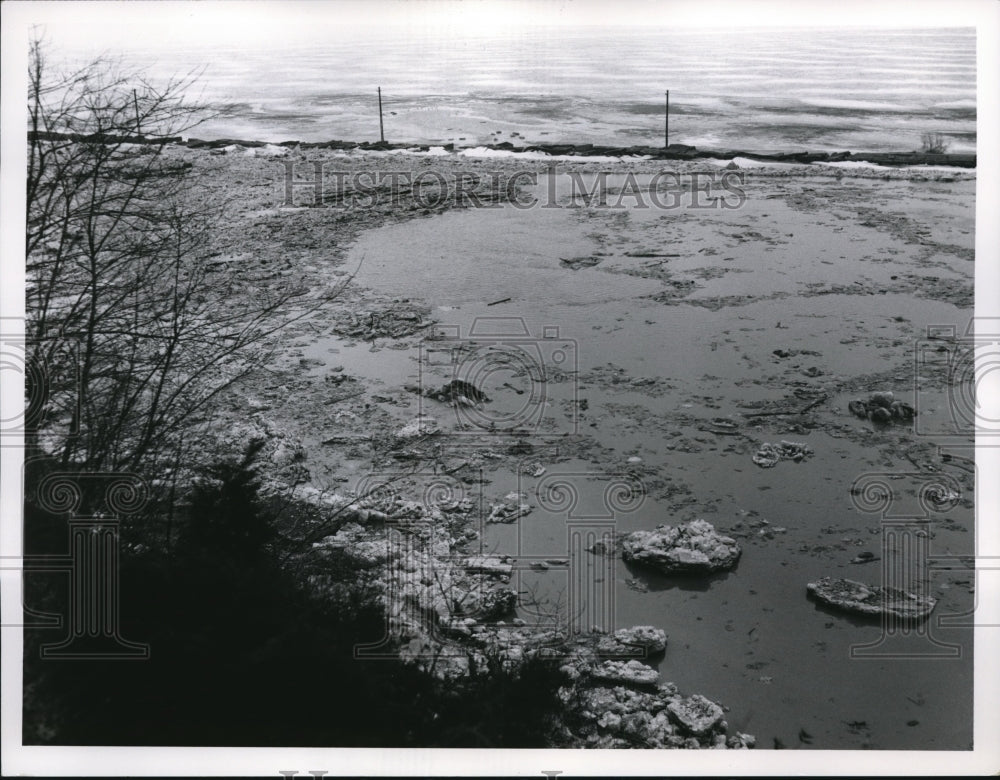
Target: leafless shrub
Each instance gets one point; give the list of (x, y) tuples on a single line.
[(116, 240)]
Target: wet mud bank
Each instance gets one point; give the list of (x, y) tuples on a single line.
[(701, 365)]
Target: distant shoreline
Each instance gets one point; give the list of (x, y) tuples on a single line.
[(673, 152)]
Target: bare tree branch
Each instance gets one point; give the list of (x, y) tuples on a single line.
[(117, 234)]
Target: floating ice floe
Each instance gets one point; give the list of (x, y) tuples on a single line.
[(485, 153), (691, 548), (768, 455), (854, 164), (696, 714), (507, 512), (626, 673), (418, 426), (875, 600), (651, 640), (269, 150)]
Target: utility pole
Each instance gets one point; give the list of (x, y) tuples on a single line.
[(381, 130), (135, 101), (666, 123)]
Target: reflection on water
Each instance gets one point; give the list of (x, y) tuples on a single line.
[(762, 89), (749, 638)]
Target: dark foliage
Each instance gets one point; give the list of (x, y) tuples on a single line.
[(225, 514), (242, 653)]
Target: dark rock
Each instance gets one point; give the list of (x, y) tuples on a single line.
[(460, 391), (601, 547), (858, 409), (880, 415), (902, 411), (883, 398)]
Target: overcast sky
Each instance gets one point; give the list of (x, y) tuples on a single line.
[(158, 25)]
